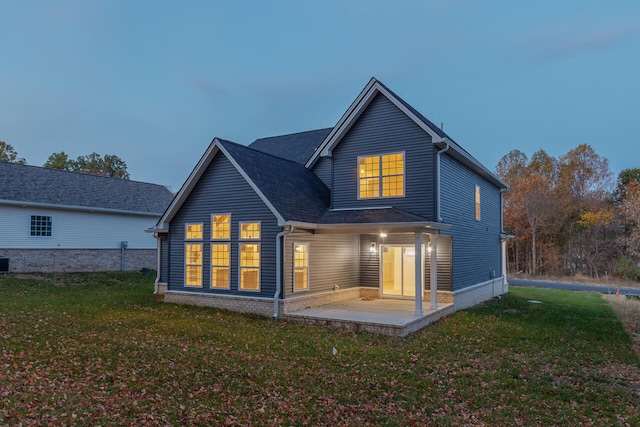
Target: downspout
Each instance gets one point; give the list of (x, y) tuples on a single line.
[(158, 257), (439, 218), (279, 267)]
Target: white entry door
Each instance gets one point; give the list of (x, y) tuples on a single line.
[(398, 270)]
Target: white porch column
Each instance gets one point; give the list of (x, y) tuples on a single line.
[(418, 265), (433, 238)]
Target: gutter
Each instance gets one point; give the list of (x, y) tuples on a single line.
[(279, 267), (446, 147)]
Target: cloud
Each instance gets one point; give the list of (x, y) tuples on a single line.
[(563, 42)]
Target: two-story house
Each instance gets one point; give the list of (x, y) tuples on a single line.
[(384, 205)]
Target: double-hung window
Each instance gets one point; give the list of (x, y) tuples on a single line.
[(193, 255), (381, 176), (220, 250), (250, 256)]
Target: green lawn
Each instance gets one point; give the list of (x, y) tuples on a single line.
[(100, 349)]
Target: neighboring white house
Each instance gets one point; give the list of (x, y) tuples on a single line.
[(53, 220)]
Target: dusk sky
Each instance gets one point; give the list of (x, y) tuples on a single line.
[(153, 82)]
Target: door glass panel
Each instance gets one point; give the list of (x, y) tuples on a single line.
[(391, 270), (408, 271)]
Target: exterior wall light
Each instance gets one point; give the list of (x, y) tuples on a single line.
[(373, 249), (429, 247)]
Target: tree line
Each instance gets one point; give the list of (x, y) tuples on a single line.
[(94, 164), (570, 216)]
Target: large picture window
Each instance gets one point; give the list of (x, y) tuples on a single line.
[(300, 266), (250, 266), (381, 176), (220, 265), (220, 227), (40, 226)]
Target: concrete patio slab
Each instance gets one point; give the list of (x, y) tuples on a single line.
[(385, 316)]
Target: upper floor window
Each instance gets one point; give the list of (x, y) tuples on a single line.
[(381, 176), (220, 227), (193, 231), (250, 230), (40, 226), (477, 203)]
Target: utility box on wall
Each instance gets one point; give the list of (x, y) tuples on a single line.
[(4, 265)]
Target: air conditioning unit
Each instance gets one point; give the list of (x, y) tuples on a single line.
[(4, 265)]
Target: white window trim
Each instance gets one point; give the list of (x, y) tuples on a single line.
[(223, 239), (249, 242), (307, 267), (211, 266), (404, 176), (245, 239), (29, 227)]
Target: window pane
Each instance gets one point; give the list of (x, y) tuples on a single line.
[(369, 166), (249, 279), (369, 187), (220, 254), (220, 277), (249, 255), (40, 226), (477, 203), (193, 254), (193, 275), (220, 227), (194, 231), (300, 279), (393, 186), (250, 230)]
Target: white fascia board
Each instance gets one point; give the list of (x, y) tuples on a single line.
[(255, 188), (189, 184), (77, 208)]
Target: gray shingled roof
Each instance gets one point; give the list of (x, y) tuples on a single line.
[(32, 184), (297, 147), (293, 190), (370, 216)]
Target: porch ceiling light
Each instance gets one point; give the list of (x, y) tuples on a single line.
[(373, 249), (383, 235)]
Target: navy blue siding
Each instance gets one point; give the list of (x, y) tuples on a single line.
[(220, 190), (476, 244), (333, 261), (382, 129), (164, 259), (322, 169)]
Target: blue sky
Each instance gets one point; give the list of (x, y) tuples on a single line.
[(154, 81)]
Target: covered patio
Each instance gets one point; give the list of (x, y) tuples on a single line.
[(393, 317)]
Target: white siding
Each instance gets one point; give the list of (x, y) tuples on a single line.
[(76, 230)]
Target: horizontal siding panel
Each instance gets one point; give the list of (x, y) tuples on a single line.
[(75, 230), (381, 129), (333, 261), (222, 190), (476, 244), (322, 169)]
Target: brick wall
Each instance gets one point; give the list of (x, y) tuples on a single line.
[(67, 260)]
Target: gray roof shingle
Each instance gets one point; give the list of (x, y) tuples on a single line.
[(33, 184), (297, 147), (294, 191), (370, 216)]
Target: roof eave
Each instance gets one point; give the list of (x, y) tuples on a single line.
[(90, 209)]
